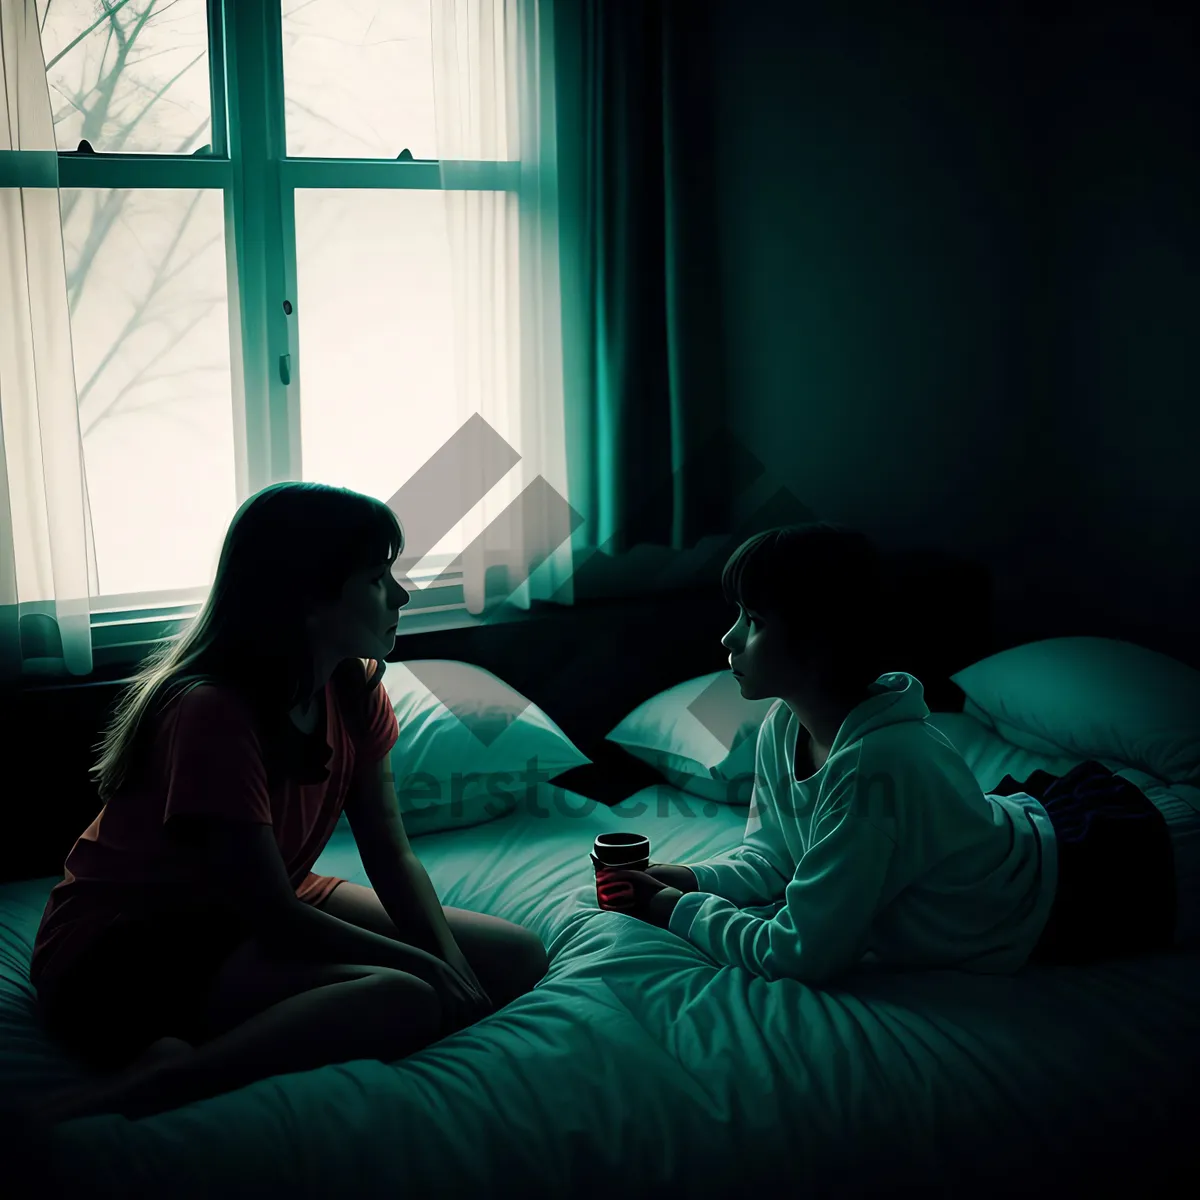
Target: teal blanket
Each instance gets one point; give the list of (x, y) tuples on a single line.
[(638, 1067)]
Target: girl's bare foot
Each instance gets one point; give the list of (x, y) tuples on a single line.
[(164, 1048), (118, 1093)]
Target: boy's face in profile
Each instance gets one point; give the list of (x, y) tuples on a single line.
[(763, 657)]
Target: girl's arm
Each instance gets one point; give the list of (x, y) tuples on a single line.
[(246, 858), (397, 875)]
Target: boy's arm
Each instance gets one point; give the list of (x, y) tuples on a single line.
[(757, 871), (746, 875), (822, 929)]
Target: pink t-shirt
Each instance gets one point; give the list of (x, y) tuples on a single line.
[(205, 759)]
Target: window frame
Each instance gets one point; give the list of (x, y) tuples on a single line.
[(248, 162)]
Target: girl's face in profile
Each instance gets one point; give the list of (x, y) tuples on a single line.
[(362, 623)]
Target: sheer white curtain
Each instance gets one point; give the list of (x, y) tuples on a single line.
[(493, 76), (47, 558)]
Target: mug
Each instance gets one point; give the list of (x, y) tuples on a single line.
[(618, 851)]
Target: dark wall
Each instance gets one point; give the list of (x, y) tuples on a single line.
[(956, 243), (1119, 153)]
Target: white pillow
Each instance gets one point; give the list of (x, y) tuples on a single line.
[(470, 747), (701, 734), (1092, 698)]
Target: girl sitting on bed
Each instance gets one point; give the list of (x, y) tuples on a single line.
[(189, 933), (868, 833)]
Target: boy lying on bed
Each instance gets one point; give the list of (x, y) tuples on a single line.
[(867, 831)]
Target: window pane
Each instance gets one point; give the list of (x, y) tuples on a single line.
[(377, 346), (358, 78), (150, 331), (136, 81)]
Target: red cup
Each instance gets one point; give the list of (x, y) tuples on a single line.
[(618, 852)]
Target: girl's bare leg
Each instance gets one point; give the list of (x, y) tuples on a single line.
[(381, 1014)]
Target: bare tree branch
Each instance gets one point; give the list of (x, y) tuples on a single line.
[(156, 409), (293, 103), (109, 208), (139, 376), (68, 203), (185, 372), (162, 91), (97, 117), (75, 41), (70, 100), (291, 12), (139, 312), (113, 98), (149, 54), (141, 22), (108, 41), (166, 8)]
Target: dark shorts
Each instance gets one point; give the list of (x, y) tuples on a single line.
[(139, 980), (1116, 869)]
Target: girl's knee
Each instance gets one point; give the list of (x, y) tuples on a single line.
[(405, 1010), (530, 960), (418, 1000), (539, 959)]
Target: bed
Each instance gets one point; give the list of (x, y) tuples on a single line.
[(638, 1067)]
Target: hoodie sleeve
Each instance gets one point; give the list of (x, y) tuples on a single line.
[(829, 905), (757, 871)]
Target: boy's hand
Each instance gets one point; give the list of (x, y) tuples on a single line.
[(674, 875), (637, 893)]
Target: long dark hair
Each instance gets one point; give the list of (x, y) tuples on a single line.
[(289, 546), (828, 586)]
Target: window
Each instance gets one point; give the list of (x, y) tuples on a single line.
[(129, 76), (349, 68), (150, 335), (144, 239), (373, 280), (258, 267)]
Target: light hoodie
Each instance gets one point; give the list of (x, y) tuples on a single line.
[(891, 849)]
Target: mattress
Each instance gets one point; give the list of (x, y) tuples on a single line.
[(639, 1065)]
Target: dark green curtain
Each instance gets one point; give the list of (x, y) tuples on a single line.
[(649, 456)]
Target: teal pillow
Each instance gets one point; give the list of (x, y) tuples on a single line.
[(471, 748), (1092, 698), (700, 734)]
